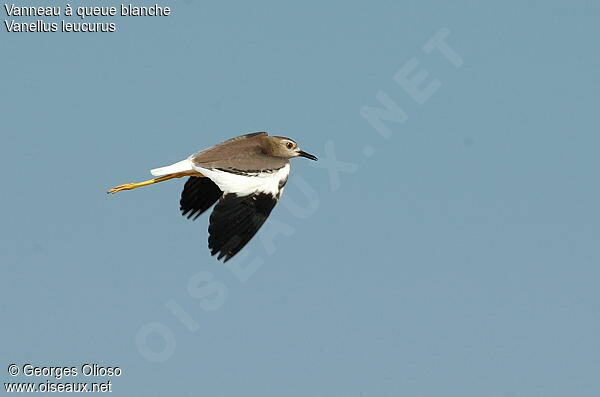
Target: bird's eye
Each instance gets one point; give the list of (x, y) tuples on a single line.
[(289, 145)]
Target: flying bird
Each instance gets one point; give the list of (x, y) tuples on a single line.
[(246, 175)]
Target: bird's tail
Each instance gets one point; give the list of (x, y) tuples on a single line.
[(181, 166)]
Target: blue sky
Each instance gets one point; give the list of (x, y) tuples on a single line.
[(453, 252)]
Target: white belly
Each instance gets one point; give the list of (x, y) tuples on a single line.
[(244, 185)]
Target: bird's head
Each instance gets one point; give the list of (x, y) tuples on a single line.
[(285, 147)]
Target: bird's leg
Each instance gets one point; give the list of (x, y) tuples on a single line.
[(129, 186)]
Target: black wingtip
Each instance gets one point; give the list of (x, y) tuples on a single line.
[(235, 220), (198, 195)]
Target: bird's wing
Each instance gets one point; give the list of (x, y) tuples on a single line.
[(238, 148), (198, 195), (235, 220)]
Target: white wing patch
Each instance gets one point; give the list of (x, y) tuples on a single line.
[(243, 185)]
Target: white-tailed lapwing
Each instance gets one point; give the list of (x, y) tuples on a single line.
[(245, 174)]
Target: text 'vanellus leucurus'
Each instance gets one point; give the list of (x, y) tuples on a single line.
[(246, 175)]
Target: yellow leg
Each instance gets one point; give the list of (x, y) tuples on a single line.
[(129, 186)]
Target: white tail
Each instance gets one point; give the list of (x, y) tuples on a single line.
[(181, 166)]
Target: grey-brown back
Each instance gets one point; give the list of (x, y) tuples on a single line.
[(245, 152)]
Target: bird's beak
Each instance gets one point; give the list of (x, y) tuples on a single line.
[(309, 156)]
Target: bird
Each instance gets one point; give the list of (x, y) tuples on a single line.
[(244, 176)]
